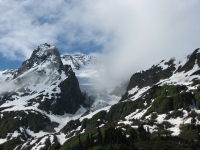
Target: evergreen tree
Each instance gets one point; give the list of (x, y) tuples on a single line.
[(132, 138), (87, 142), (106, 140), (91, 141), (99, 136), (79, 142), (198, 133)]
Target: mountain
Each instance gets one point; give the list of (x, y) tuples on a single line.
[(170, 72), (160, 105), (51, 102), (53, 86)]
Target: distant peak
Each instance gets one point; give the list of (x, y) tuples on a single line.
[(45, 44), (78, 60)]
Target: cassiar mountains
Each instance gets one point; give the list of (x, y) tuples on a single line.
[(50, 102)]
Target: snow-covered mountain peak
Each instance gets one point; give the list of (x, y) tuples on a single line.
[(43, 49), (78, 60), (46, 52), (43, 78), (192, 60), (44, 57)]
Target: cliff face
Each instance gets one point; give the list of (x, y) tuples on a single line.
[(150, 76), (193, 59), (45, 53), (69, 99)]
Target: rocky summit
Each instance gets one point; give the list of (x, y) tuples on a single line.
[(45, 83), (51, 102)]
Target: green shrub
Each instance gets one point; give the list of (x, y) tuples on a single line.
[(100, 116), (121, 110), (176, 113), (10, 145), (154, 115), (13, 120)]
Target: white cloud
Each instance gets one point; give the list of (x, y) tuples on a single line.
[(5, 87), (147, 32), (134, 34)]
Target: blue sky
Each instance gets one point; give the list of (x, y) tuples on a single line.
[(131, 34)]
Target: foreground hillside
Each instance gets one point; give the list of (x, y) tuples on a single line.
[(43, 106)]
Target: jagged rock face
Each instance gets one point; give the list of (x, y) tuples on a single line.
[(150, 76), (76, 61), (180, 72), (70, 93), (71, 61), (42, 54), (193, 59), (69, 99)]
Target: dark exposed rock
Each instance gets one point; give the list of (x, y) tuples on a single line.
[(50, 127), (196, 73), (71, 125), (156, 73), (150, 76), (70, 98), (192, 59)]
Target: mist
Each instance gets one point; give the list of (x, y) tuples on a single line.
[(5, 87), (144, 33)]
